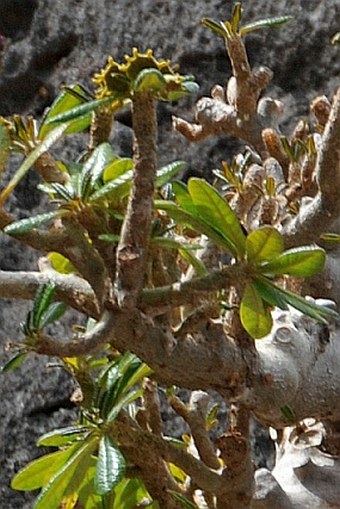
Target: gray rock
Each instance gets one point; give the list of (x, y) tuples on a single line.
[(52, 42)]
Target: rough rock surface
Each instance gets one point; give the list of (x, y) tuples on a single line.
[(52, 42)]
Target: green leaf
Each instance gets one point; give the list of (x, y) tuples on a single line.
[(114, 189), (79, 111), (269, 293), (195, 223), (64, 436), (123, 402), (60, 263), (196, 263), (117, 168), (38, 472), (320, 313), (184, 501), (94, 168), (236, 16), (129, 494), (41, 303), (55, 311), (49, 140), (288, 413), (26, 225), (263, 245), (148, 80), (5, 143), (110, 466), (63, 102), (51, 495), (217, 213), (14, 362), (216, 26), (87, 498), (181, 193), (255, 317), (165, 173), (331, 237), (187, 87), (275, 22), (301, 261)]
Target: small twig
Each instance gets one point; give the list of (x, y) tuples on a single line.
[(152, 406), (194, 415), (315, 218)]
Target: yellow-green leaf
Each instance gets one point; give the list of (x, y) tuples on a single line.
[(148, 80), (38, 472), (217, 213), (255, 317), (301, 261), (50, 139), (51, 495), (263, 245)]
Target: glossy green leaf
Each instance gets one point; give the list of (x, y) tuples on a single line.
[(26, 225), (94, 168), (319, 313), (52, 493), (165, 173), (263, 245), (183, 198), (268, 292), (14, 362), (49, 140), (63, 436), (184, 501), (54, 312), (117, 168), (149, 80), (60, 263), (129, 494), (255, 317), (196, 263), (5, 144), (42, 301), (38, 472), (301, 261), (187, 87), (331, 237), (63, 102), (110, 466), (78, 111), (216, 26), (275, 22), (87, 498), (124, 401), (195, 223), (217, 213)]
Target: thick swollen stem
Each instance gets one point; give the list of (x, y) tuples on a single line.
[(134, 240)]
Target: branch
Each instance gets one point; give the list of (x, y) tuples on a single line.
[(296, 352), (232, 112), (134, 240), (194, 415), (179, 294), (70, 289), (204, 477), (324, 209)]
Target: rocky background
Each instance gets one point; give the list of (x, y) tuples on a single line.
[(46, 43)]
